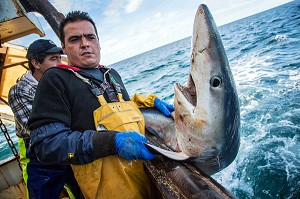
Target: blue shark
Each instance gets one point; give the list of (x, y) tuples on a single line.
[(205, 129)]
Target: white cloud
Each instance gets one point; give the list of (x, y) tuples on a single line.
[(132, 6), (157, 15), (113, 8), (66, 6), (62, 6)]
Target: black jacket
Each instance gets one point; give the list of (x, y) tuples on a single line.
[(65, 104)]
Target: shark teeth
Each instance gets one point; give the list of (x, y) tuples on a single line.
[(189, 91)]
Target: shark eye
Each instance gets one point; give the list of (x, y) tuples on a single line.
[(215, 81)]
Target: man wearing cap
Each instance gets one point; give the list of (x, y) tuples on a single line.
[(42, 180)]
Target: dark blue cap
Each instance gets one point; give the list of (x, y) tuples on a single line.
[(42, 46)]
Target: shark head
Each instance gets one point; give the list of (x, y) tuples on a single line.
[(207, 116)]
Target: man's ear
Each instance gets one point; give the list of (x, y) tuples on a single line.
[(35, 64), (63, 47)]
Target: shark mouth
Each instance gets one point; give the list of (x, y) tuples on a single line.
[(189, 91)]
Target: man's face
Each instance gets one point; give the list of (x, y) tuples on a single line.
[(50, 60), (81, 44)]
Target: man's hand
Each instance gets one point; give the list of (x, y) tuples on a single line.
[(130, 145), (163, 107)]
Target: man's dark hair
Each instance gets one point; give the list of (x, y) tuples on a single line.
[(40, 58), (74, 16)]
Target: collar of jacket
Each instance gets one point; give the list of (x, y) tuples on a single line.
[(74, 68)]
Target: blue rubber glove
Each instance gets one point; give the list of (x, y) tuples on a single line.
[(163, 107), (130, 145)]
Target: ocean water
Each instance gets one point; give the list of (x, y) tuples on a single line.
[(5, 151), (264, 54)]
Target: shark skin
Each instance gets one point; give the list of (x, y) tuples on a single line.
[(206, 126)]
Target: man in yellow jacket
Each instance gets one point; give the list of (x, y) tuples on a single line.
[(83, 116)]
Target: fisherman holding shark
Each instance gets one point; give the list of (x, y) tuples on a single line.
[(82, 116)]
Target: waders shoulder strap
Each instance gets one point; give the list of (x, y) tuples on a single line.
[(98, 92), (116, 86)]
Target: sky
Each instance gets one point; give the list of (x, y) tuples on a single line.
[(130, 27)]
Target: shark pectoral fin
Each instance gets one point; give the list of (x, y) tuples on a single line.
[(152, 131), (169, 154)]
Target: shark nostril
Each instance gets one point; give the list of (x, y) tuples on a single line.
[(215, 81)]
